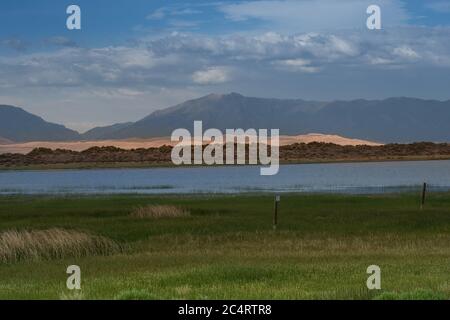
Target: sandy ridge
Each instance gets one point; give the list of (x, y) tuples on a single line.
[(128, 144)]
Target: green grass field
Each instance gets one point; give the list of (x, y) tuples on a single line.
[(227, 249)]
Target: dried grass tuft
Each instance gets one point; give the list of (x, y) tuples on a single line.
[(159, 211), (52, 244)]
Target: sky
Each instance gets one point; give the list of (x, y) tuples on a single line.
[(136, 56)]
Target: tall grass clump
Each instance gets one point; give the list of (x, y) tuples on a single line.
[(159, 211), (52, 244)]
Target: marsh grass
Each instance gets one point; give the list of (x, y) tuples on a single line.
[(321, 249), (51, 244), (159, 211)]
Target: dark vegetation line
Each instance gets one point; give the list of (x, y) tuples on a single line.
[(294, 153)]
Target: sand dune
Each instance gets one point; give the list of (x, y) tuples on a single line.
[(157, 142), (317, 137)]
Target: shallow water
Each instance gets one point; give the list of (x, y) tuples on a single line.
[(369, 177)]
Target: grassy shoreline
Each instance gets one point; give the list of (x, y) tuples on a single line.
[(226, 247)]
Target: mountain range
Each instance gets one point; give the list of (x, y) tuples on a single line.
[(391, 120), (20, 126)]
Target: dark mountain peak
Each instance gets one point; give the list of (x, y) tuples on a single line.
[(18, 125), (209, 101), (4, 108)]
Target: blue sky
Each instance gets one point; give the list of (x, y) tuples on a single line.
[(132, 57), (111, 22)]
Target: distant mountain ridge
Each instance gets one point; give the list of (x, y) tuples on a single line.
[(390, 120), (20, 126), (400, 120)]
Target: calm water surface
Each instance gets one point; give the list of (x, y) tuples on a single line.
[(371, 177)]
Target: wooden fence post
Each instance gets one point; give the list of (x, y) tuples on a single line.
[(424, 193), (275, 212)]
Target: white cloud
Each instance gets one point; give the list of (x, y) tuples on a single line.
[(406, 53), (324, 46), (162, 61), (79, 66), (267, 46), (379, 61), (271, 37), (213, 75), (314, 15), (297, 65), (157, 14), (163, 12), (135, 57)]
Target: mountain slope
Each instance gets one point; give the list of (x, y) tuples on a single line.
[(390, 120), (20, 126), (224, 112), (100, 133)]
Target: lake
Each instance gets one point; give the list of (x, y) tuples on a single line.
[(368, 177)]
